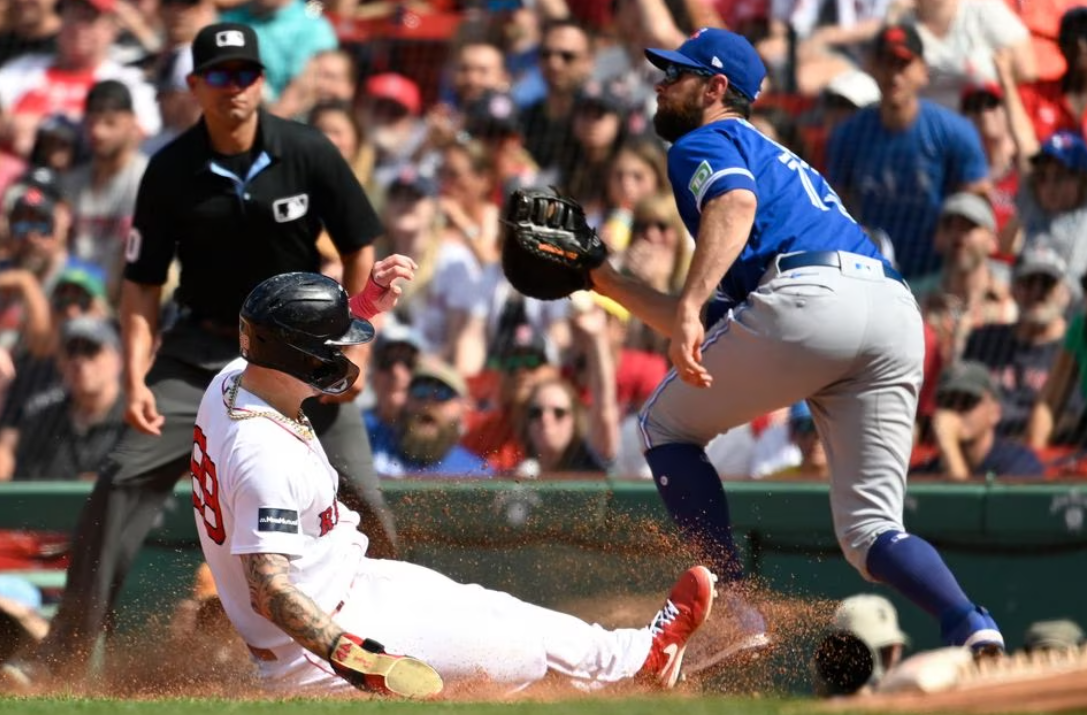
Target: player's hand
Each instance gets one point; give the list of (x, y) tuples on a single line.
[(142, 413), (685, 350), (388, 274)]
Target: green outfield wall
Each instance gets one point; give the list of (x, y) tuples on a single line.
[(1019, 548)]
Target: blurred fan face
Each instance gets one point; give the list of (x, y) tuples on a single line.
[(963, 244), (596, 127), (1057, 187), (1041, 298), (551, 419), (459, 180), (110, 133), (407, 217), (631, 179), (88, 368), (85, 34), (565, 59), (899, 80), (431, 423), (340, 131), (393, 367), (35, 239), (978, 416), (332, 77), (479, 69), (182, 19), (988, 115), (30, 13)]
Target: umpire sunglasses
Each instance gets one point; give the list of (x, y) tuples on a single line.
[(243, 77)]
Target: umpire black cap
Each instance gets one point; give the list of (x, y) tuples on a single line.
[(225, 42)]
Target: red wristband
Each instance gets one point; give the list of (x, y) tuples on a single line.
[(364, 304)]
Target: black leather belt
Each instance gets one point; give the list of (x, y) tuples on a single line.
[(830, 259)]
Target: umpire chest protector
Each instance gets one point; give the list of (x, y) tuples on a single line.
[(230, 232)]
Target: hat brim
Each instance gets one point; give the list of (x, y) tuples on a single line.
[(361, 331), (230, 57), (661, 59)]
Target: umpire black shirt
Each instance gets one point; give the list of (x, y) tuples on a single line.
[(232, 232)]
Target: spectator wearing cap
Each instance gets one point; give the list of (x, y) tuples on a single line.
[(425, 440), (983, 104), (566, 62), (863, 643), (1053, 201), (57, 145), (393, 362), (32, 27), (79, 291), (840, 99), (1021, 355), (102, 191), (38, 85), (390, 108), (1053, 635), (598, 129), (177, 105), (68, 433), (896, 162), (970, 289), (960, 38), (495, 120), (289, 35), (1055, 104), (964, 425), (37, 258), (521, 361)]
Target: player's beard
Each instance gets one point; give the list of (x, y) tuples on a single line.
[(673, 122), (420, 443)]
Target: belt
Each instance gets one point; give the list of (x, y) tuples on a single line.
[(830, 259)]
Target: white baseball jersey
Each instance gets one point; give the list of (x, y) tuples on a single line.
[(260, 487)]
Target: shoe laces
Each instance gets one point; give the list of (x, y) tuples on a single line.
[(664, 616)]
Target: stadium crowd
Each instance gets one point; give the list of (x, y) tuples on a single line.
[(953, 130)]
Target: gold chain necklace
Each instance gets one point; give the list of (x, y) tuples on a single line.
[(300, 427)]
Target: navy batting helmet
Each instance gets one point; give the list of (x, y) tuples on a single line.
[(298, 323)]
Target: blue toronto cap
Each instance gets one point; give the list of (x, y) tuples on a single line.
[(1066, 147), (720, 52)]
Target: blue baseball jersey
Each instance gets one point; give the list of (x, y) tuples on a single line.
[(797, 209)]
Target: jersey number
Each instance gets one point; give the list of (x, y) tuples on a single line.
[(791, 161), (205, 487)]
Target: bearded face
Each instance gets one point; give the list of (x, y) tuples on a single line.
[(679, 108), (426, 433)]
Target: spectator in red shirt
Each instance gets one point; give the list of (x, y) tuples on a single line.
[(983, 105), (1062, 103)]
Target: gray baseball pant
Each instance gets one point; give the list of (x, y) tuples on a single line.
[(852, 346)]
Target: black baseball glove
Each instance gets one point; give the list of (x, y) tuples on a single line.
[(549, 249)]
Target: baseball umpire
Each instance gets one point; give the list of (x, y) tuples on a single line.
[(239, 197), (291, 566), (815, 313)]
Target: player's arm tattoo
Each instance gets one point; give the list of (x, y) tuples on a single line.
[(273, 596)]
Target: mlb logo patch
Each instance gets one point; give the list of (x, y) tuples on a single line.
[(230, 38), (290, 208)]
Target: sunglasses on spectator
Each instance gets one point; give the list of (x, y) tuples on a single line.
[(567, 56), (958, 401), (22, 228), (526, 361), (674, 73), (396, 355), (432, 390), (536, 412), (242, 77), (79, 347), (62, 300), (643, 226), (979, 103)]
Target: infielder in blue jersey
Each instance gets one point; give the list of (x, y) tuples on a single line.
[(812, 312)]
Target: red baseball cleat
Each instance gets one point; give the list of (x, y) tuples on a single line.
[(687, 608)]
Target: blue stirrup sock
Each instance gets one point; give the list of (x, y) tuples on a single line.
[(913, 567), (691, 490)]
